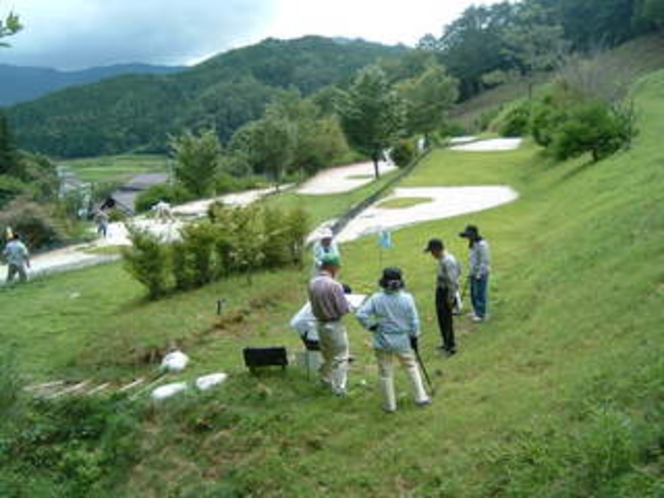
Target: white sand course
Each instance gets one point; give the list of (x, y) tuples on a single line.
[(343, 178), (491, 145), (444, 202)]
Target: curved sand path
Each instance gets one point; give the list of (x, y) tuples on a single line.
[(444, 202), (342, 179)]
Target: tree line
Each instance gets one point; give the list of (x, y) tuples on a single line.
[(137, 113), (487, 44)]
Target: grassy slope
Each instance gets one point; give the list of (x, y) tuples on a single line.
[(560, 394)]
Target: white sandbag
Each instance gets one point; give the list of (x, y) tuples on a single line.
[(207, 381), (168, 390), (175, 361)]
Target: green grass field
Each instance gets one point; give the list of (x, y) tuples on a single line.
[(116, 169), (403, 202), (560, 394)]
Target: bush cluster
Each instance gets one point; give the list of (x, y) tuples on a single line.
[(66, 447), (594, 127), (515, 121), (230, 241), (36, 223), (403, 152), (568, 124)]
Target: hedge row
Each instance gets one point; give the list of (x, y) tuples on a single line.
[(230, 241)]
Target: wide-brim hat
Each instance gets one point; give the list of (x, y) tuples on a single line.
[(470, 232), (325, 233), (391, 279)]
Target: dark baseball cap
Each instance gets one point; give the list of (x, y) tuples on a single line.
[(434, 245), (470, 232)]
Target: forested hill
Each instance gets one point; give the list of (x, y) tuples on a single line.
[(20, 83), (137, 112)]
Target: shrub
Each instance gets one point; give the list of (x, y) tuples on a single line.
[(197, 244), (10, 188), (225, 183), (182, 266), (69, 447), (248, 240), (452, 129), (34, 222), (482, 122), (297, 222), (403, 153), (173, 194), (147, 260), (276, 244), (515, 121), (591, 127), (544, 121)]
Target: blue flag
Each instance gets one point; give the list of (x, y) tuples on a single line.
[(385, 239)]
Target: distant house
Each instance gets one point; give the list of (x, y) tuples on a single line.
[(126, 195)]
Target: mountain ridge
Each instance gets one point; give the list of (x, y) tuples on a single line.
[(24, 83), (138, 112)]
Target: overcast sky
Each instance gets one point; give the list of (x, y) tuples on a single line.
[(74, 34)]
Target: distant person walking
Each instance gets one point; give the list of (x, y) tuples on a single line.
[(18, 259), (447, 286), (101, 219), (329, 305), (324, 246), (479, 267), (392, 317), (163, 211)]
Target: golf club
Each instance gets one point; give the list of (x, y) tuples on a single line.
[(424, 370)]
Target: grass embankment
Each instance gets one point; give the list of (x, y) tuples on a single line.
[(559, 394), (403, 202), (115, 169)]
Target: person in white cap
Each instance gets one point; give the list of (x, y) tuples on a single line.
[(325, 246)]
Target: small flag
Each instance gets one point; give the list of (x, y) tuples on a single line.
[(385, 239)]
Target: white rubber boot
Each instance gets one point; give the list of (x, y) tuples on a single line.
[(421, 397), (389, 398)]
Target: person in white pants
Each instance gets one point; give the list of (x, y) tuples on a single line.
[(329, 305), (392, 316)]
